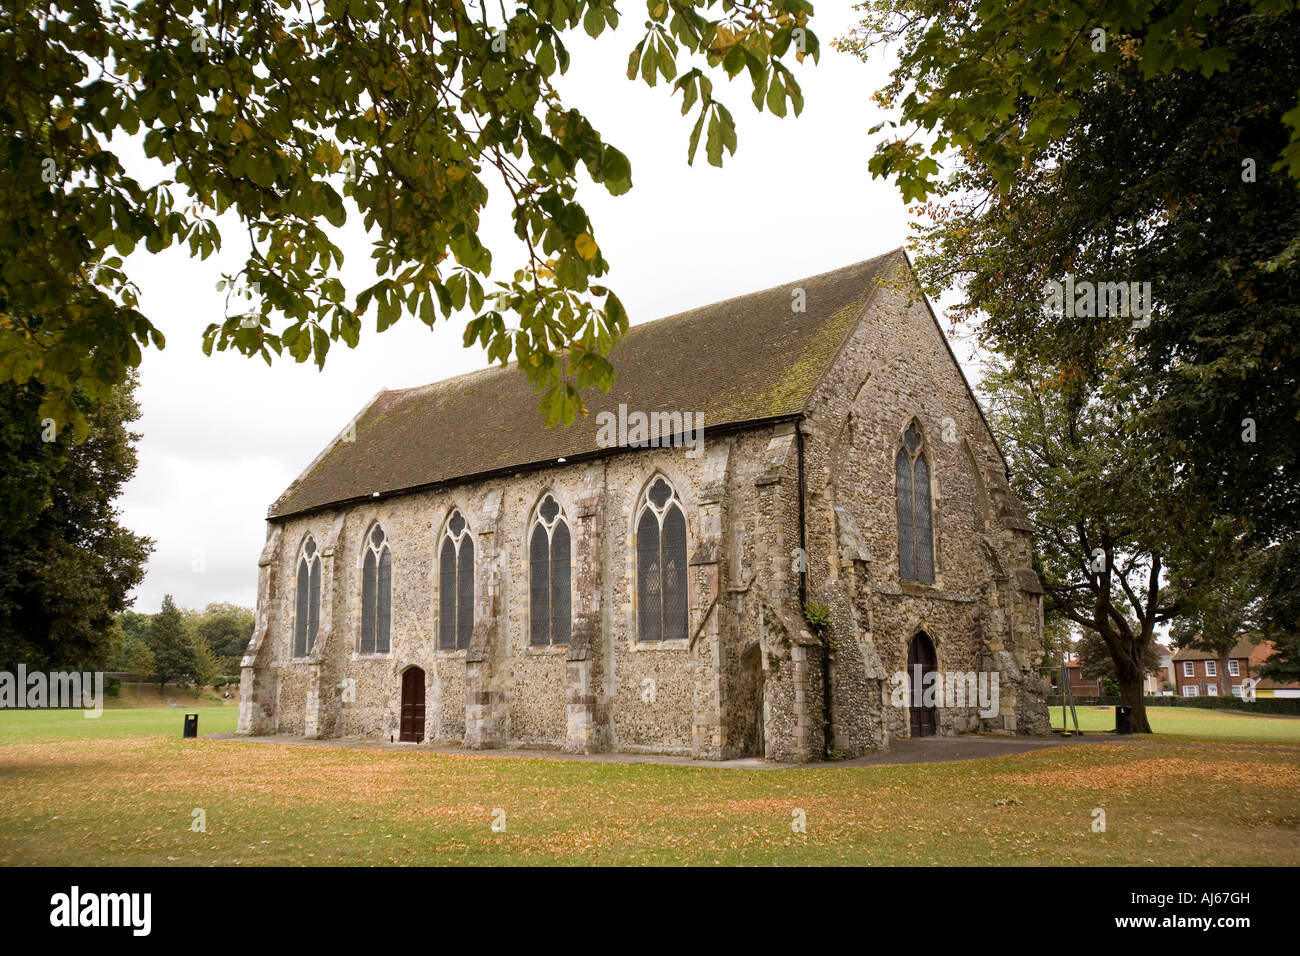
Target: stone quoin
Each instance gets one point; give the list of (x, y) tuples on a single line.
[(452, 571)]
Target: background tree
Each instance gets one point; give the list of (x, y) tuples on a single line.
[(1099, 546), (1126, 196), (135, 626), (172, 644), (206, 666), (66, 564), (288, 118), (141, 661), (1280, 610), (1096, 662), (1057, 637), (1001, 84), (227, 629), (1284, 664), (1150, 142), (1220, 606), (135, 629)]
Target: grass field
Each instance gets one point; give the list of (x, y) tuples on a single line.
[(45, 726), (1193, 722), (150, 695), (123, 789)]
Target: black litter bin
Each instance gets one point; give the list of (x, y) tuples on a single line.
[(191, 725), (1123, 719)]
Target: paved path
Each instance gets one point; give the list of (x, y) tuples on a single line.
[(975, 747), (918, 750)]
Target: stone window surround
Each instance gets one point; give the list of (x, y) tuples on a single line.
[(600, 579), (366, 545), (535, 519), (299, 557), (545, 650), (634, 642), (936, 499), (436, 577), (677, 644)]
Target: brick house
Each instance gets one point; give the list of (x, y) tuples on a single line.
[(1080, 686), (450, 570), (1199, 674)]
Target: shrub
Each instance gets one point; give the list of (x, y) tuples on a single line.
[(818, 617), (1289, 706)]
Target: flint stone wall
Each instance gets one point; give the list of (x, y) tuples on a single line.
[(749, 679)]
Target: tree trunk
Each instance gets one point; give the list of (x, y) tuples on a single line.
[(1225, 679), (1130, 694)]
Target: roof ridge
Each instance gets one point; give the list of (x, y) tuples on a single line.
[(744, 359), (493, 367), (514, 365), (772, 288)]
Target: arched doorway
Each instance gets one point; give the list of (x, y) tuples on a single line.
[(921, 660), (412, 726)]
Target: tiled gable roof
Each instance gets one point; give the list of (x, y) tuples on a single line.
[(1262, 651), (1240, 651), (744, 359)]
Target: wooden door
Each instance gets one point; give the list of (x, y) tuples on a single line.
[(921, 662), (413, 705)]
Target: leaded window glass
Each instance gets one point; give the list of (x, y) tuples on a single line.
[(456, 585), (549, 576), (307, 599), (662, 613), (915, 526), (376, 593)]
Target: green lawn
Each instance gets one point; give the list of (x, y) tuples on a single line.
[(32, 726), (124, 789), (1193, 722)]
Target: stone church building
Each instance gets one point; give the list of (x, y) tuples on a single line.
[(451, 571)]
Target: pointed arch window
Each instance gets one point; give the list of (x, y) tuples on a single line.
[(915, 528), (549, 576), (456, 585), (661, 565), (376, 593), (307, 619)]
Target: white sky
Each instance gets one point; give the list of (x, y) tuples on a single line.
[(223, 436)]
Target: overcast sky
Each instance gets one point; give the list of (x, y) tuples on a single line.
[(223, 436)]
